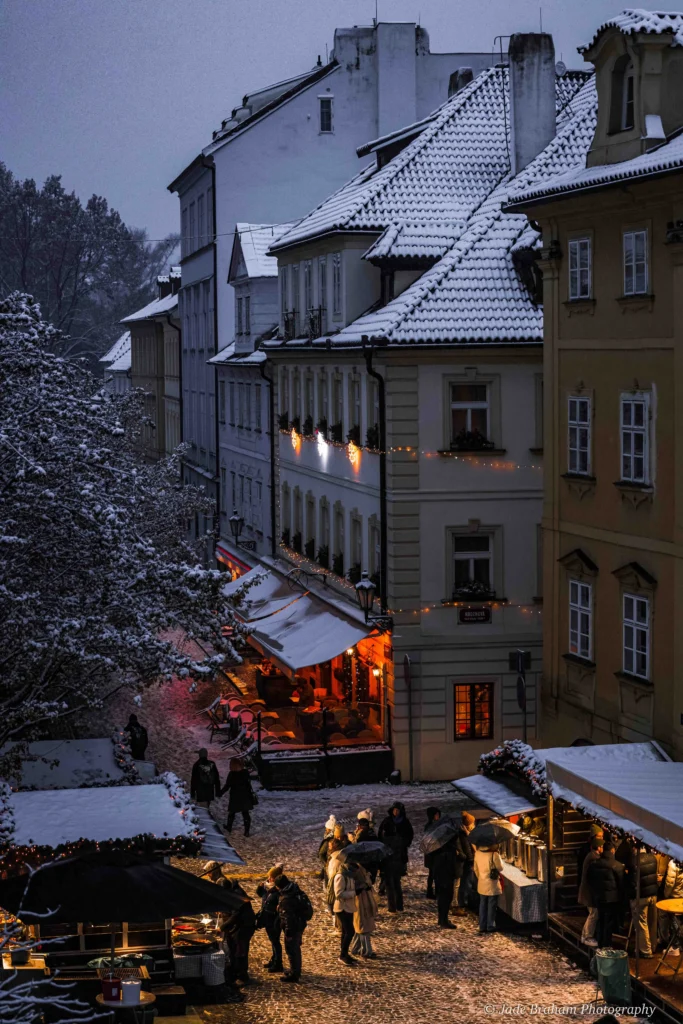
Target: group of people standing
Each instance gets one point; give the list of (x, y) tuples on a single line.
[(618, 880)]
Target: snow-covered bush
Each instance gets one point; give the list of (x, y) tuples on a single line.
[(96, 577)]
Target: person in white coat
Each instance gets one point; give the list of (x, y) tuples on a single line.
[(344, 907), (488, 867)]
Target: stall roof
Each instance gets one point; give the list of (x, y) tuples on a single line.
[(79, 763), (644, 798), (268, 595), (215, 845), (501, 797)]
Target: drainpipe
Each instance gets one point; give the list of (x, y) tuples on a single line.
[(180, 372), (210, 164), (368, 352), (271, 423)]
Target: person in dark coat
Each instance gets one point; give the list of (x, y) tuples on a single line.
[(433, 819), (293, 925), (466, 893), (241, 802), (642, 895), (205, 784), (605, 881), (269, 918), (443, 863), (365, 832), (397, 815), (391, 868), (238, 928), (137, 737), (463, 864)]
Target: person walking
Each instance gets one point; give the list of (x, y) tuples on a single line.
[(365, 915), (398, 817), (391, 869), (205, 783), (242, 798), (269, 919), (590, 925), (443, 863), (487, 868), (605, 880), (467, 889), (642, 893), (238, 928), (433, 819), (344, 907), (137, 737), (295, 910)]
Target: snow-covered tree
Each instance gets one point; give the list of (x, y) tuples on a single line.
[(95, 575)]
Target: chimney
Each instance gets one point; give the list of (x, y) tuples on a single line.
[(163, 286), (459, 79), (532, 96)]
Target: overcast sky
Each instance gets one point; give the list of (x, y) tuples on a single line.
[(118, 96)]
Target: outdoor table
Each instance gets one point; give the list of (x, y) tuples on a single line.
[(673, 907), (523, 899), (118, 1006)]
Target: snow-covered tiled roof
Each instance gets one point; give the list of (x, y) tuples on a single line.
[(227, 355), (410, 240), (667, 157), (442, 176), (636, 20), (255, 240), (152, 309), (474, 294), (123, 363), (119, 348)]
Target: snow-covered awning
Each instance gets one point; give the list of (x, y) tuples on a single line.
[(67, 764), (643, 798), (268, 595), (503, 798), (304, 633)]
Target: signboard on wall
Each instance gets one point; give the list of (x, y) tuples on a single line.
[(468, 616)]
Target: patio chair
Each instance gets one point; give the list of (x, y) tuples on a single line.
[(215, 725)]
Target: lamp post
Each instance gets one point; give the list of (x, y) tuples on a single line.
[(365, 592), (236, 523)]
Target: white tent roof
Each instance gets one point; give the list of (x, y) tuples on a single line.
[(79, 763), (269, 595), (644, 798), (497, 796)]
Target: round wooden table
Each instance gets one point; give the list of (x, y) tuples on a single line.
[(146, 999), (671, 907)]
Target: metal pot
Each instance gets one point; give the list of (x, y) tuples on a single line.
[(532, 869), (526, 856), (517, 851), (542, 862)]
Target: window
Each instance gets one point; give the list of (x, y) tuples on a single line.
[(296, 395), (191, 239), (472, 564), (324, 524), (257, 406), (247, 314), (579, 436), (240, 405), (283, 289), (627, 98), (322, 398), (295, 287), (308, 397), (634, 439), (637, 636), (322, 289), (248, 500), (238, 329), (209, 214), (308, 285), (635, 263), (473, 706), (221, 401), (469, 412), (200, 220), (374, 551), (231, 393), (355, 402), (581, 619), (247, 416), (338, 407), (184, 230), (580, 268), (208, 321), (325, 113), (336, 284), (224, 475), (233, 490), (356, 543), (284, 392)]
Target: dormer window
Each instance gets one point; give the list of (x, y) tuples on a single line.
[(627, 96)]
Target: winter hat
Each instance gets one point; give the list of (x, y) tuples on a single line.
[(432, 813), (367, 813), (596, 829), (276, 870), (330, 823), (467, 818)]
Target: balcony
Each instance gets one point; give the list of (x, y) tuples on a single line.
[(315, 320), (289, 324)]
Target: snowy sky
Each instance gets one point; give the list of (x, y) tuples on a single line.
[(119, 95)]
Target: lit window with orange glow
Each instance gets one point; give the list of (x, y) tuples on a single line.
[(473, 711)]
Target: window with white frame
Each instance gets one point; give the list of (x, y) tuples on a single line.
[(247, 314), (322, 289), (224, 484), (184, 232), (338, 404), (240, 316), (336, 284), (635, 263), (192, 242), (295, 411), (637, 636), (580, 268), (374, 550), (470, 413), (581, 619), (233, 489), (247, 406), (628, 98), (284, 391), (472, 564), (323, 401), (356, 543), (295, 287), (221, 401), (308, 285), (231, 393), (282, 274), (240, 405), (579, 435), (257, 407), (308, 396), (325, 114), (635, 453), (247, 500), (208, 321), (200, 220)]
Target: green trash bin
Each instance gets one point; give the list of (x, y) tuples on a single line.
[(613, 976)]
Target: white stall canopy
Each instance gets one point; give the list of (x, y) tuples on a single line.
[(505, 798)]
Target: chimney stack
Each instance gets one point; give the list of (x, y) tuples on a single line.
[(459, 79), (532, 96)]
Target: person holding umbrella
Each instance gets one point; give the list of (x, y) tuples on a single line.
[(433, 819), (466, 891), (488, 868), (345, 905)]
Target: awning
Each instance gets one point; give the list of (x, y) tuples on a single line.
[(306, 632), (503, 798), (269, 595), (224, 553), (644, 798)]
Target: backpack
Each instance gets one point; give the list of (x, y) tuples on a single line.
[(305, 905)]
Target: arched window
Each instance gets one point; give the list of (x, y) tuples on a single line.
[(627, 95)]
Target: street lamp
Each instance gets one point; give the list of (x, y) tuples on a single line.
[(365, 592), (236, 523)]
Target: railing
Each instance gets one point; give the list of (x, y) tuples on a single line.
[(315, 319), (289, 324)]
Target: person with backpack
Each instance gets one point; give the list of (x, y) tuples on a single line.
[(269, 919), (137, 737), (242, 798), (488, 868), (295, 910), (205, 783)]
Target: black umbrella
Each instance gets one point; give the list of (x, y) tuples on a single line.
[(365, 853), (439, 836), (106, 889), (489, 834)]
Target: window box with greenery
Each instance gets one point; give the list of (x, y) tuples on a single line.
[(323, 558), (322, 428), (295, 424), (296, 541), (473, 591), (283, 421), (307, 429), (354, 435), (337, 433), (309, 549), (338, 564), (285, 537), (353, 575), (372, 438), (471, 441)]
